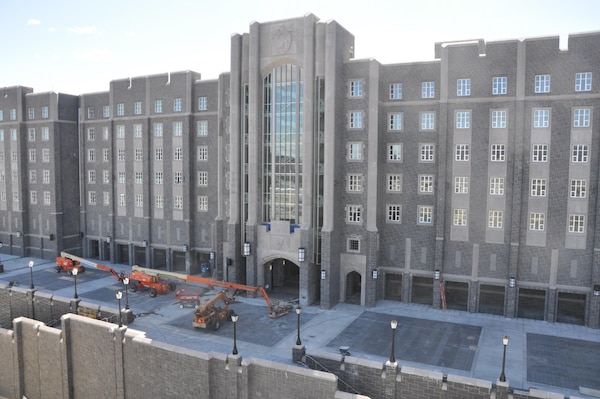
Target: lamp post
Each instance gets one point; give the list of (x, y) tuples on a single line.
[(75, 275), (126, 282), (505, 343), (298, 311), (234, 318), (394, 325), (31, 274), (119, 295)]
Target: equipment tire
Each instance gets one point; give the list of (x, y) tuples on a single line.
[(58, 269), (216, 325), (152, 292), (172, 286), (133, 287), (69, 272)]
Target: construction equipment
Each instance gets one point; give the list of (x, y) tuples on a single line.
[(66, 264), (208, 315), (276, 309), (188, 297), (69, 258)]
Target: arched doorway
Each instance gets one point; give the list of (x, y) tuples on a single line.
[(282, 278), (353, 288)]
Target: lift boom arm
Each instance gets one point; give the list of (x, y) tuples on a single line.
[(87, 263)]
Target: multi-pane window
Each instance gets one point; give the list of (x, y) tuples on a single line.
[(45, 133), (202, 128), (158, 177), (539, 153), (542, 83), (202, 103), (45, 112), (427, 121), (537, 221), (105, 133), (583, 81), (106, 111), (202, 153), (122, 200), (496, 185), (91, 155), (576, 223), (541, 118), (202, 203), (137, 130), (497, 153), (538, 187), (463, 87), (394, 213), (105, 154), (91, 176), (355, 182), (355, 120), (32, 176), (202, 178), (498, 119), (425, 214), (495, 219), (177, 105), (121, 177), (90, 113), (158, 130), (137, 108), (31, 113), (32, 156), (47, 198), (120, 131), (31, 134), (462, 152), (46, 176), (395, 119), (106, 198), (177, 128), (581, 117), (427, 152), (33, 197), (355, 151), (425, 183), (459, 217), (578, 188), (158, 106), (14, 156), (499, 85), (159, 201), (92, 197), (354, 213), (579, 153), (461, 184), (394, 183), (121, 154), (158, 154), (395, 152), (428, 90), (139, 200), (106, 176), (12, 113), (396, 91), (139, 177), (356, 88), (463, 119), (120, 109), (178, 178), (13, 134), (138, 154), (178, 202), (353, 245), (178, 154)]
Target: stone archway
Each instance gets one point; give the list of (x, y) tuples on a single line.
[(282, 278), (353, 288)]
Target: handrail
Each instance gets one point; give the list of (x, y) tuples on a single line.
[(349, 388)]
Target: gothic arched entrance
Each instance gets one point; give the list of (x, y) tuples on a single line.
[(282, 278), (353, 288)]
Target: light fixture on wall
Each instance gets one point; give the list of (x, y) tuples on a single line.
[(19, 234), (184, 248), (374, 274), (323, 274), (301, 254), (437, 274), (512, 282), (108, 240), (246, 248), (144, 244), (597, 290)]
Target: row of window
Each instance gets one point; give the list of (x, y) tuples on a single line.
[(138, 153), (583, 82), (12, 113), (159, 200), (158, 107)]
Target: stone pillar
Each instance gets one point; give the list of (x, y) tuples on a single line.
[(298, 353), (594, 316), (473, 296), (510, 307), (502, 389), (437, 295), (389, 374), (551, 298), (232, 373)]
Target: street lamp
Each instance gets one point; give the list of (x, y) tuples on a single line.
[(119, 295), (126, 282), (505, 343), (74, 271), (394, 325), (298, 311), (234, 318), (31, 274)]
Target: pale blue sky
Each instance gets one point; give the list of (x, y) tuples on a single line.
[(79, 46)]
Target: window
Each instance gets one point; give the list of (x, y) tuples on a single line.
[(355, 152), (581, 117), (496, 185), (46, 176), (178, 202), (463, 87), (395, 119), (177, 105), (105, 133), (14, 156), (495, 219), (427, 152), (499, 85), (202, 153), (121, 154), (12, 114), (45, 133), (106, 198), (202, 103), (394, 213), (159, 201), (459, 217), (33, 197), (92, 197), (202, 203), (139, 200), (536, 221), (137, 130), (576, 224), (539, 153), (463, 119), (32, 155), (461, 184), (542, 83), (202, 128), (578, 188), (15, 196), (139, 177), (138, 154), (106, 111), (106, 176), (202, 178), (355, 120), (121, 177), (91, 176), (395, 152), (356, 88), (120, 131), (1, 115), (158, 130), (137, 108), (427, 121), (425, 183), (178, 178), (90, 113), (428, 90), (178, 154), (396, 91), (353, 245), (13, 134), (425, 214), (32, 176), (538, 187), (177, 128), (498, 119), (158, 106), (497, 153), (31, 113), (583, 81), (354, 214), (91, 155), (355, 183), (541, 118), (394, 183), (122, 201), (120, 109), (158, 177), (47, 198), (158, 154), (31, 134), (44, 112), (91, 136), (105, 154), (462, 152), (580, 153)]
